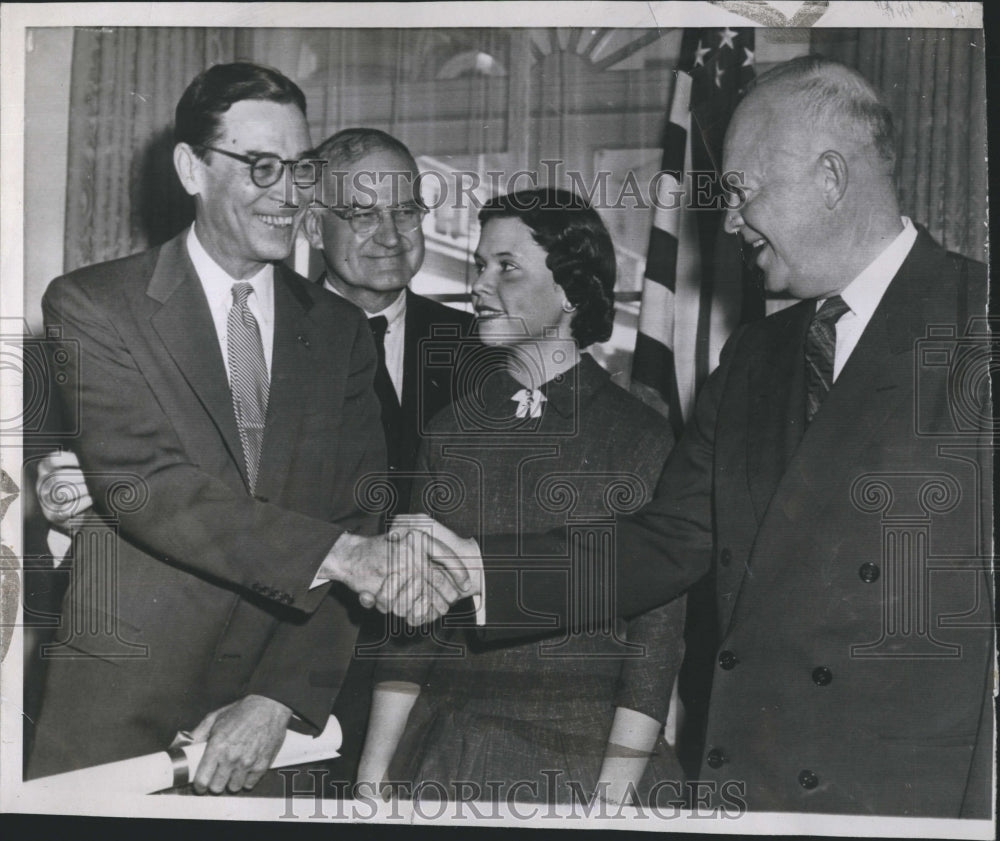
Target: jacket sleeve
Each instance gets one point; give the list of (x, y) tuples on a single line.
[(646, 681)]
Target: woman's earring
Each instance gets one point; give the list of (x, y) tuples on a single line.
[(568, 307)]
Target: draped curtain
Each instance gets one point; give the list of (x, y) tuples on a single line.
[(122, 195), (934, 81), (481, 99)]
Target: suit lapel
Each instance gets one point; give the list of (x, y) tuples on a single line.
[(776, 408), (184, 324), (412, 334), (878, 376), (292, 367)]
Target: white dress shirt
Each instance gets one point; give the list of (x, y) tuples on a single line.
[(864, 293), (218, 287), (395, 335)]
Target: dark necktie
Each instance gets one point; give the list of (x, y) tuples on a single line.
[(392, 415), (384, 388), (249, 380), (821, 344)]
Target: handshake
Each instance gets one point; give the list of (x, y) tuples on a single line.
[(417, 570)]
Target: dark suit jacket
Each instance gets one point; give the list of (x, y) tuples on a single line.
[(854, 670), (432, 329), (206, 587), (433, 338)]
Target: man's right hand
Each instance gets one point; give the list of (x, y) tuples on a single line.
[(61, 489), (420, 589), (448, 556)]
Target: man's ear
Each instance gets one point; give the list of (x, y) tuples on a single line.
[(312, 229), (832, 169), (189, 168)]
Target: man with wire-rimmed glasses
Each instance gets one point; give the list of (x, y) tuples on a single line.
[(236, 398), (372, 242)]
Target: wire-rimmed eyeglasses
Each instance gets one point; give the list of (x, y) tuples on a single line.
[(364, 221)]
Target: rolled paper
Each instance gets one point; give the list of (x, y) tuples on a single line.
[(177, 766)]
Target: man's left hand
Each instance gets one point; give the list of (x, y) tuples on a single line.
[(243, 739)]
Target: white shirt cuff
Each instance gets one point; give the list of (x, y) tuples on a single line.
[(474, 564)]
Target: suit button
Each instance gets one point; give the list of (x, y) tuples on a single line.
[(822, 676), (728, 660), (808, 780), (725, 557), (869, 572), (261, 499), (715, 758)]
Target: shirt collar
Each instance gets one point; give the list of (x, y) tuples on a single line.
[(393, 313), (864, 293), (218, 283)]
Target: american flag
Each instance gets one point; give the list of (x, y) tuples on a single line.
[(694, 288)]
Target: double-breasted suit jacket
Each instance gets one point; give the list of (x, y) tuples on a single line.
[(206, 588), (855, 668)]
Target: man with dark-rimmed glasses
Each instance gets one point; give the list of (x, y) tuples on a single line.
[(237, 399)]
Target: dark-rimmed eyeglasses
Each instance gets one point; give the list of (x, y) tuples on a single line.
[(266, 170), (364, 221)]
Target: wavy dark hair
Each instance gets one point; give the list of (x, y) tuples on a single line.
[(198, 117), (578, 248)]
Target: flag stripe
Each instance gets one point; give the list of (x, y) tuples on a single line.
[(674, 141), (654, 363), (680, 106), (656, 314), (661, 260), (654, 366), (693, 288)]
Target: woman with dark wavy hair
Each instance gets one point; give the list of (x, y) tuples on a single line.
[(543, 438)]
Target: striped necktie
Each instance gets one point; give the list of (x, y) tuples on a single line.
[(249, 380), (821, 344)]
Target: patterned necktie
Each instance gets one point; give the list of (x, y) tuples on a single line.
[(249, 380), (821, 344)]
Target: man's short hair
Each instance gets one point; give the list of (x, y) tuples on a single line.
[(350, 145), (197, 120), (833, 93)]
